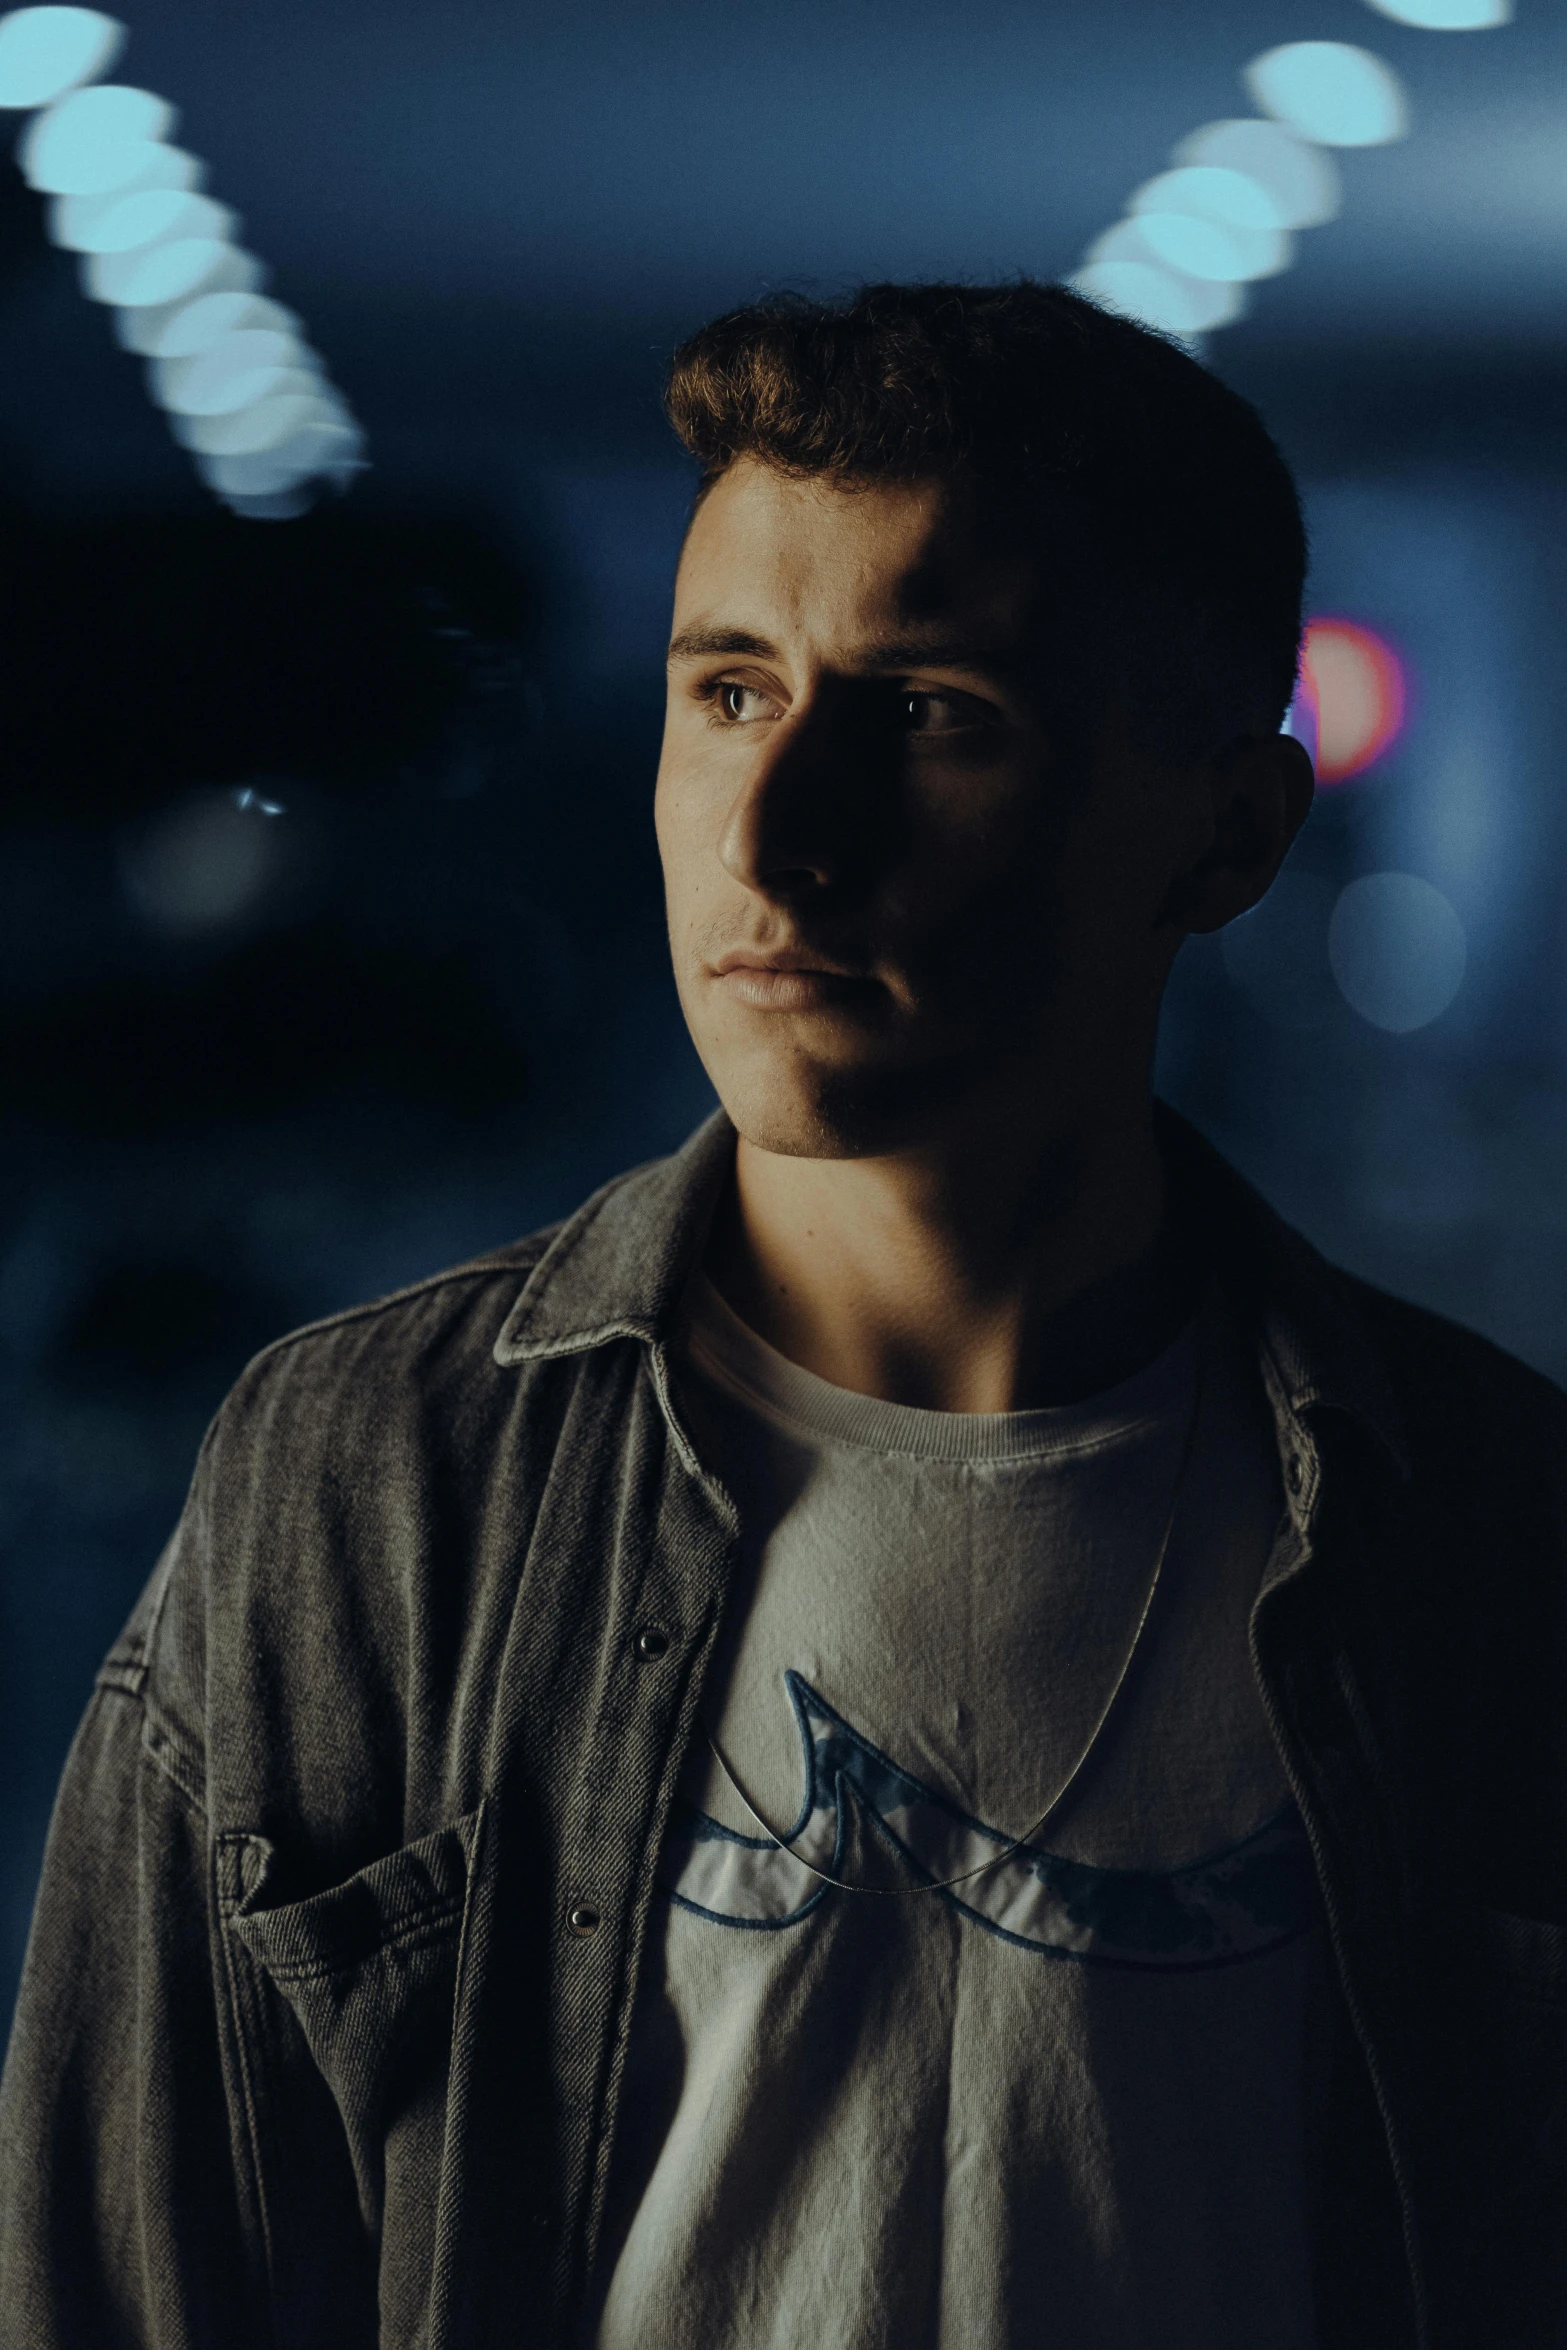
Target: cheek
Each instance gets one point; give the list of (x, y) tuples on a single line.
[(675, 828), (1033, 898), (980, 910), (696, 887)]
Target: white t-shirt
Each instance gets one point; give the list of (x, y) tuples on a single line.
[(1059, 2104)]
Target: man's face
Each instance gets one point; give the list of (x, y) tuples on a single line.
[(892, 893)]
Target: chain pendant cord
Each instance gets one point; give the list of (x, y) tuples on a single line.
[(965, 1876)]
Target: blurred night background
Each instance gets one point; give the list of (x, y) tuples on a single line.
[(331, 942)]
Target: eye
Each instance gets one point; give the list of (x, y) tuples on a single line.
[(734, 703), (938, 713)]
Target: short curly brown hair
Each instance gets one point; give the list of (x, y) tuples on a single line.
[(1178, 548)]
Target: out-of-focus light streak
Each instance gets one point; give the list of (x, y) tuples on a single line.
[(1331, 92), (1447, 16), (1212, 192), (91, 140), (125, 224), (1223, 216), (46, 51), (225, 361), (181, 330), (1224, 250), (1140, 288), (1300, 182), (1352, 682)]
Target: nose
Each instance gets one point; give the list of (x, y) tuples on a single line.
[(802, 818)]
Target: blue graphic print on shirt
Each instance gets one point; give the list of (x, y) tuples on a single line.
[(1231, 1905)]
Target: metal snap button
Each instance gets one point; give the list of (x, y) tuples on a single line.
[(1295, 1473), (652, 1643), (583, 1918)]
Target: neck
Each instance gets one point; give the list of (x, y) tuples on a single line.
[(967, 1275)]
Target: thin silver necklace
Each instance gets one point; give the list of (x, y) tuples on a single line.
[(941, 1884)]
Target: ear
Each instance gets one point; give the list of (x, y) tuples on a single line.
[(1259, 790)]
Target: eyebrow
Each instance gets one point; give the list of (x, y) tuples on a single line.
[(877, 653)]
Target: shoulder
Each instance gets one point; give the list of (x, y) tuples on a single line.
[(463, 1305), (349, 1488), (1483, 1429), (344, 1386), (363, 1410), (1441, 1367)]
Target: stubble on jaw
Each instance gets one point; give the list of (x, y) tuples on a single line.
[(796, 1103)]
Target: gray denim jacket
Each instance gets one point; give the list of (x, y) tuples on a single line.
[(327, 1996)]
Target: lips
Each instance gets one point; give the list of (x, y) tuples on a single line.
[(781, 959), (786, 979)]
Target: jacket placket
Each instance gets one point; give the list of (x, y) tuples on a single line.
[(1306, 1678), (574, 1874)]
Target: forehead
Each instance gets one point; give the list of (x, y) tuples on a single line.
[(818, 557)]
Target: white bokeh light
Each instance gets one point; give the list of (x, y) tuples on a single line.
[(1301, 181), (1447, 16), (94, 139), (1212, 192), (1222, 250), (75, 221), (242, 387), (178, 330), (124, 223), (1225, 214), (1331, 92), (176, 270), (292, 402), (242, 367), (1177, 303), (280, 506), (321, 448), (1398, 950), (1157, 297), (46, 51)]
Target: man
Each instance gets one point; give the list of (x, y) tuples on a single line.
[(918, 1728)]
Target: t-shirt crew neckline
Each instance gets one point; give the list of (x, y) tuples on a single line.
[(730, 1352)]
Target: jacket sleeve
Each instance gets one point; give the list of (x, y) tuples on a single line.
[(119, 2209)]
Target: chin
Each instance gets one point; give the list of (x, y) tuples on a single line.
[(798, 1109)]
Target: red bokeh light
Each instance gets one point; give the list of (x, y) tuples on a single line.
[(1353, 684)]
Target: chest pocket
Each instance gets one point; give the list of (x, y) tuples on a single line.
[(345, 2013)]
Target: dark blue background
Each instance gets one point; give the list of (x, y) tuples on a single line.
[(447, 1013)]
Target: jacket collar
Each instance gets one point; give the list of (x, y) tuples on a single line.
[(619, 1268)]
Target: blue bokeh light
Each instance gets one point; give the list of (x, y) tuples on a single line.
[(158, 249), (1212, 192), (1161, 297), (176, 270), (94, 139), (1222, 250), (1302, 181), (1447, 16), (1329, 91), (1398, 950), (46, 51)]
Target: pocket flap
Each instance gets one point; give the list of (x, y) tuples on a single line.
[(371, 1970), (408, 1898)]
